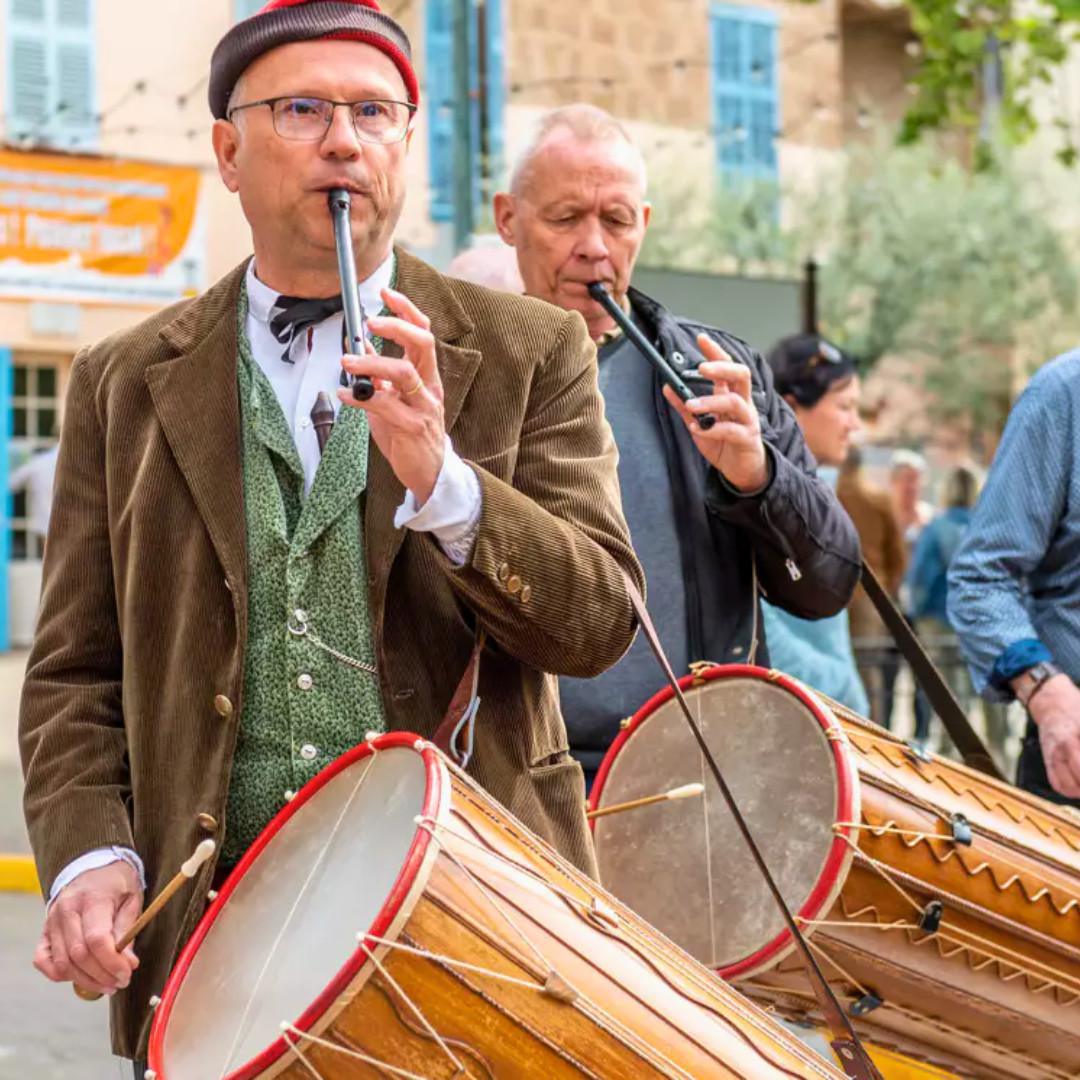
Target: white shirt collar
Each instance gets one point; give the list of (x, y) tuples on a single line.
[(261, 297)]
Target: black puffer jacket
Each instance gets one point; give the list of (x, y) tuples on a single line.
[(807, 550)]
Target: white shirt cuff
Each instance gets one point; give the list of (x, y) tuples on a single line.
[(452, 514), (95, 860)]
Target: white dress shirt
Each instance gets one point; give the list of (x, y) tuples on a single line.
[(451, 514), (36, 477)]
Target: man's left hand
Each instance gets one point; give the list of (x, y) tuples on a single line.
[(406, 411), (733, 444)]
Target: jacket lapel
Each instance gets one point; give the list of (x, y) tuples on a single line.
[(195, 396), (430, 292)]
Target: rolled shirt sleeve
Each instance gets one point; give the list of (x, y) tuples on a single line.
[(1015, 544)]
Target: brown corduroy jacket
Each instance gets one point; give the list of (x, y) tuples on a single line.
[(132, 695)]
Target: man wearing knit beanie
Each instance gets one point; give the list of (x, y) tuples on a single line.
[(228, 605)]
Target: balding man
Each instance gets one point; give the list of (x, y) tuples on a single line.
[(714, 515)]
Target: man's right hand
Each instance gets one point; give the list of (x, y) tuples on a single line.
[(83, 925), (1055, 708)]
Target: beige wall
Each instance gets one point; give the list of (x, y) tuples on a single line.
[(132, 36), (875, 69), (621, 53)]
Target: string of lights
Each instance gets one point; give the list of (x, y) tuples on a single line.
[(142, 87)]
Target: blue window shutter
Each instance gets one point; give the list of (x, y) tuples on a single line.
[(439, 67), (495, 89), (475, 106), (28, 83), (52, 83), (6, 388), (745, 92)]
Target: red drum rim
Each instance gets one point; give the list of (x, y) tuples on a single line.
[(414, 860), (840, 852)]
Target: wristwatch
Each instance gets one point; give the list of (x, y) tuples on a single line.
[(1030, 682)]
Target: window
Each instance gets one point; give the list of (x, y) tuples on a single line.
[(35, 410), (246, 8), (465, 93), (51, 80), (745, 92)]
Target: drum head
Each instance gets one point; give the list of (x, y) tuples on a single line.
[(280, 943), (683, 865)]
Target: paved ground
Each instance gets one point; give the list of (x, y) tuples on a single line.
[(46, 1033)]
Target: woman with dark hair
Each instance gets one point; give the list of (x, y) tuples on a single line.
[(820, 383)]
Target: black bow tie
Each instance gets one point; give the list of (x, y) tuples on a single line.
[(292, 315)]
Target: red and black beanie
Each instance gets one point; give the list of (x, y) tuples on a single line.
[(282, 22)]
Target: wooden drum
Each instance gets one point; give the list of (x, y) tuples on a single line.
[(394, 921), (944, 906)]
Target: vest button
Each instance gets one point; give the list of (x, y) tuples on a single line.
[(223, 706), (305, 682), (308, 752), (207, 822), (513, 586)]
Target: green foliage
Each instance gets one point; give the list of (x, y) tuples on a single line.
[(962, 270), (955, 38), (735, 229)]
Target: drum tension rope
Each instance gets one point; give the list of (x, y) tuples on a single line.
[(850, 1052)]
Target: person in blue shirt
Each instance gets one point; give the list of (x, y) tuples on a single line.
[(820, 383), (928, 591), (1014, 586)]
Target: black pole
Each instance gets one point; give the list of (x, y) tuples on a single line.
[(810, 297)]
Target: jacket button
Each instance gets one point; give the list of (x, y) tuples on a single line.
[(526, 593), (207, 822), (504, 571), (223, 706), (513, 586)]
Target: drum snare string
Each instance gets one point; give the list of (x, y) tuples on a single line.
[(799, 999), (433, 827), (306, 1036), (584, 909), (984, 867), (946, 932), (1052, 830), (316, 866), (708, 844), (417, 1011), (449, 961)]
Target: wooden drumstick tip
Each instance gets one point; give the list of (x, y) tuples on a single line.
[(203, 852), (686, 791)]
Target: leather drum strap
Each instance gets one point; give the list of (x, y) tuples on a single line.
[(852, 1056), (965, 738)]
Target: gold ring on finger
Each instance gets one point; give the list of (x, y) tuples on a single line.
[(415, 390)]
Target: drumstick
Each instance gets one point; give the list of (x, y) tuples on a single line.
[(687, 791), (187, 871)]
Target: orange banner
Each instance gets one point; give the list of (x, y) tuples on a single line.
[(99, 228)]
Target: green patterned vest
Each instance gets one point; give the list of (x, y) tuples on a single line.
[(303, 705)]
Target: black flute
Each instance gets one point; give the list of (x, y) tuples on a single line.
[(648, 350), (340, 204)]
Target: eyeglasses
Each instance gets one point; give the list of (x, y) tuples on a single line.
[(305, 119)]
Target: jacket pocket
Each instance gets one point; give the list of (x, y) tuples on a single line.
[(559, 788)]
